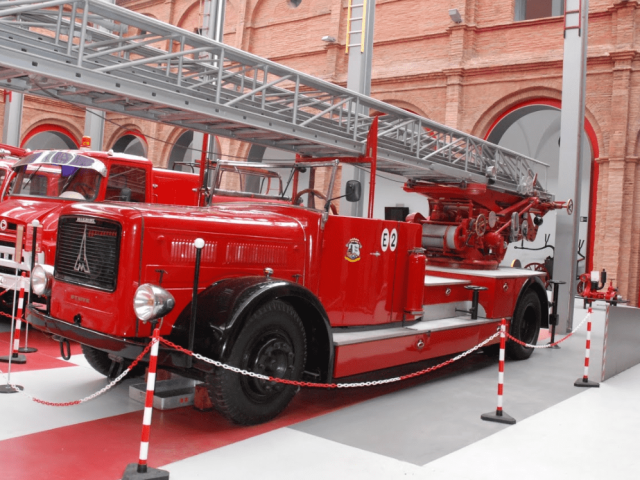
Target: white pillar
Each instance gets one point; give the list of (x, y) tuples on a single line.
[(13, 102), (570, 168)]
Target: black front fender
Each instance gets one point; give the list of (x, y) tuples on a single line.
[(224, 307)]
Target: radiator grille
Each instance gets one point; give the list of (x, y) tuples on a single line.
[(88, 252)]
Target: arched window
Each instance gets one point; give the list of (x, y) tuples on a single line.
[(533, 129), (131, 143), (185, 156), (49, 137)]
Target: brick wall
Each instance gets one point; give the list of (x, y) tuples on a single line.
[(463, 75)]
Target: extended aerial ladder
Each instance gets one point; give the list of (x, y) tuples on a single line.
[(102, 56), (148, 69)]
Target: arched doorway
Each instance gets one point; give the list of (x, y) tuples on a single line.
[(131, 143), (533, 129), (49, 137), (185, 156)]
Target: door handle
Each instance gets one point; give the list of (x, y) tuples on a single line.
[(375, 254)]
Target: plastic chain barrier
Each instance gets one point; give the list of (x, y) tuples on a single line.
[(293, 382), (328, 385), (99, 392), (549, 345)]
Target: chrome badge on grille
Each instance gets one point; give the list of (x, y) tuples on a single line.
[(82, 265), (86, 220)]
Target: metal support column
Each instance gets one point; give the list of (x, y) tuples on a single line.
[(94, 127), (13, 102), (570, 168), (359, 47), (212, 27)]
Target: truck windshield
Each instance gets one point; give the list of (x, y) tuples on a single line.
[(309, 184), (58, 175)]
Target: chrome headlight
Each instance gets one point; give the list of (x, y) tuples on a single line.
[(151, 302), (41, 276)]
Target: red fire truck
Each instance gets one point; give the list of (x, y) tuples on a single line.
[(45, 181), (286, 286)]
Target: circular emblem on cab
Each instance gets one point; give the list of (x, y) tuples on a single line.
[(3, 224)]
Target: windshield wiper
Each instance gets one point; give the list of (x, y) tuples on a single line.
[(30, 176), (66, 184)]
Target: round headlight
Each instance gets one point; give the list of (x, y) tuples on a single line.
[(41, 276), (151, 302)]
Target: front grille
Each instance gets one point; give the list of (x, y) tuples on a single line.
[(88, 252)]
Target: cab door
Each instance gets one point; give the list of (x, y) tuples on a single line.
[(357, 265)]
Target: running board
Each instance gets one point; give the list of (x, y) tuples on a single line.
[(360, 336)]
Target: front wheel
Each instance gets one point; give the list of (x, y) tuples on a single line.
[(271, 343), (525, 326)]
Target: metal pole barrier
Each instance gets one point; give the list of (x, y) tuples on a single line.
[(34, 244), (140, 470), (553, 318), (199, 244), (584, 381), (8, 388), (499, 415), (16, 325)]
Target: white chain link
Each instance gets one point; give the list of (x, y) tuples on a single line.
[(103, 390), (229, 367), (549, 345)]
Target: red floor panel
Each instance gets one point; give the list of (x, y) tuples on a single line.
[(46, 356), (102, 449)]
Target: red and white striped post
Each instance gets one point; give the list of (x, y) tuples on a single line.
[(499, 415), (140, 470), (14, 355), (584, 381)]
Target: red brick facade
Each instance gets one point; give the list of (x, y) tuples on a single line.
[(464, 75)]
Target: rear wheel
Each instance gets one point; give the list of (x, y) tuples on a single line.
[(525, 326), (271, 343), (101, 362)]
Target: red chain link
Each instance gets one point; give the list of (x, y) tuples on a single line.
[(520, 342)]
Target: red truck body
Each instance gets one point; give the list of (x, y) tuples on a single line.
[(285, 288)]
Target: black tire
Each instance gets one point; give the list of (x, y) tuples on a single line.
[(101, 363), (272, 343), (525, 326)]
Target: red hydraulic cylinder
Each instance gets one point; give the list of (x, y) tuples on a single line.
[(415, 282)]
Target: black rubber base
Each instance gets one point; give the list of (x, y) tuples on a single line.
[(131, 473), (581, 383), (494, 417), (10, 389), (14, 359), (27, 350), (555, 347)]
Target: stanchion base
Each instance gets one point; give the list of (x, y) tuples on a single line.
[(554, 347), (18, 359), (131, 473), (581, 383), (27, 350), (494, 417), (10, 389)]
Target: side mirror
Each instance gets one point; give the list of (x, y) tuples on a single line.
[(353, 192)]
